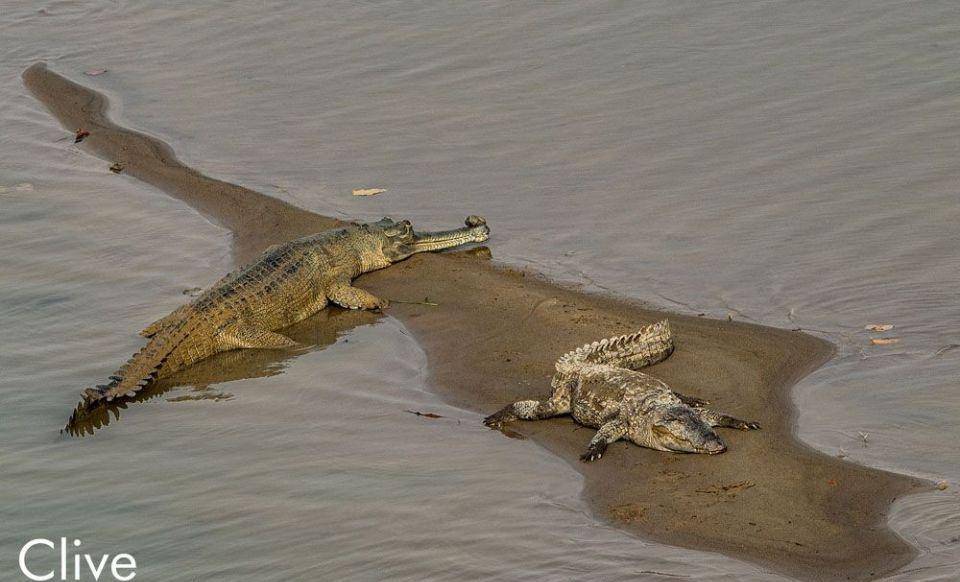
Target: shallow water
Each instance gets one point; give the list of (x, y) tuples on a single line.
[(791, 164)]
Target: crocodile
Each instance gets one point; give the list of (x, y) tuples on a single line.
[(600, 385), (286, 284)]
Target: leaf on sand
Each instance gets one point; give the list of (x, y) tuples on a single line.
[(424, 414), (80, 135), (94, 72), (879, 327), (884, 341), (368, 191), (116, 168)]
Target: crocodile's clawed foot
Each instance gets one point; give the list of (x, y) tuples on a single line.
[(747, 425), (493, 421), (594, 452), (692, 401), (497, 419)]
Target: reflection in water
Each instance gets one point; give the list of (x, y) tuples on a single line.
[(315, 332)]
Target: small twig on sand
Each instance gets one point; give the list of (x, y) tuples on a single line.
[(426, 301)]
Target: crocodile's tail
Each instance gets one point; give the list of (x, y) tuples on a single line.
[(645, 347), (142, 368)]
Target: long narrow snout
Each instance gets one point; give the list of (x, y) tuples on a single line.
[(475, 230)]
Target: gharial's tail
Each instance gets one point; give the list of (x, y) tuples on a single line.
[(645, 347), (139, 371)]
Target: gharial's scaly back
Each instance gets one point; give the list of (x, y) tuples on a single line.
[(645, 347)]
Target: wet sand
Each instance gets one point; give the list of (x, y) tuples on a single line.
[(494, 336)]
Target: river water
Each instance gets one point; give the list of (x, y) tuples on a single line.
[(787, 163)]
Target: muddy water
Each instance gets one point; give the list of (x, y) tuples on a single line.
[(792, 164)]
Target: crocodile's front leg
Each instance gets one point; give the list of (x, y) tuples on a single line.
[(714, 418), (691, 401), (529, 410), (609, 432), (346, 295)]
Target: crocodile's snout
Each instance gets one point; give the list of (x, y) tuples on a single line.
[(715, 447)]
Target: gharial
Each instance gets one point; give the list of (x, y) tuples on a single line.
[(600, 386), (286, 284)]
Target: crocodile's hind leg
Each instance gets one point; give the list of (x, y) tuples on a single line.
[(559, 403), (251, 337), (346, 295), (714, 418), (609, 432)]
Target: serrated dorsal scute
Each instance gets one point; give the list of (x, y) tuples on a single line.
[(644, 347)]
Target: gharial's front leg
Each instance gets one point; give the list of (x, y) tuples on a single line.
[(714, 418), (346, 295)]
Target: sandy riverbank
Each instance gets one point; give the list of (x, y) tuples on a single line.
[(495, 334)]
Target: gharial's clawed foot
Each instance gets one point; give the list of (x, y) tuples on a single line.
[(375, 304), (594, 452)]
